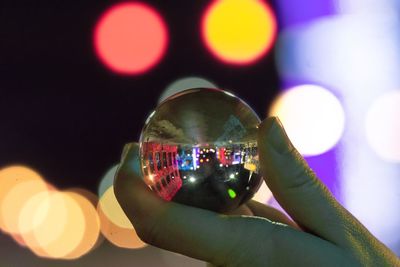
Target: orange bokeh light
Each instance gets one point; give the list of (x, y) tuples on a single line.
[(115, 226), (11, 200), (119, 236), (92, 227), (130, 38)]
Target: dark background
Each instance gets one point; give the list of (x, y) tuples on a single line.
[(66, 115)]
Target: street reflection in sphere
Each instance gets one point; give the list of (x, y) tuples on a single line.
[(199, 148)]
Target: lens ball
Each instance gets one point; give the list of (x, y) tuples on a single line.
[(199, 148)]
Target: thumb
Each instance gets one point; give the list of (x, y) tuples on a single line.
[(295, 185)]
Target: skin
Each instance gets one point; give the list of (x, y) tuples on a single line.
[(322, 232)]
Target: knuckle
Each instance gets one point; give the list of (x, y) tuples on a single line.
[(147, 232), (301, 177)]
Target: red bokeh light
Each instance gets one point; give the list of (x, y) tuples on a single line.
[(130, 38)]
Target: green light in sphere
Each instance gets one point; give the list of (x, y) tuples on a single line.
[(232, 193)]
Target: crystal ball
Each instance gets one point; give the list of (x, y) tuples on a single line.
[(199, 148)]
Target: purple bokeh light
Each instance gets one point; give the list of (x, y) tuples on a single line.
[(297, 12)]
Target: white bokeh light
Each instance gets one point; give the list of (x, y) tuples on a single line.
[(383, 126), (357, 54), (263, 194), (183, 84), (312, 116)]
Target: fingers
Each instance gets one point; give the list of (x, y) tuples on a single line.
[(297, 188), (194, 232), (219, 239), (261, 210)]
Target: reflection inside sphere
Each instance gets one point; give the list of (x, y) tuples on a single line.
[(199, 148)]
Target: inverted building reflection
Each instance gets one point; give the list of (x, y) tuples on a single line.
[(206, 176)]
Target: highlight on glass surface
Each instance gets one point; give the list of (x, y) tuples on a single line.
[(199, 148), (183, 84)]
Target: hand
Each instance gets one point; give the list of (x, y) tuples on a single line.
[(326, 235)]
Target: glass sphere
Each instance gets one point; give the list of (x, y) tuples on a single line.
[(199, 148)]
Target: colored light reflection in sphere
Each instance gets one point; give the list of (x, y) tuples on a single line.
[(199, 148), (130, 38), (239, 31)]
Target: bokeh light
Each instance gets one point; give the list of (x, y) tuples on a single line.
[(183, 84), (342, 51), (10, 177), (15, 200), (62, 228), (263, 194), (28, 219), (92, 225), (312, 116), (383, 126), (111, 208), (108, 180), (115, 226), (130, 38), (239, 31)]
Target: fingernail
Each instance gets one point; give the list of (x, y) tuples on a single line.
[(276, 135)]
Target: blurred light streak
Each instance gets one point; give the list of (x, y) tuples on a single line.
[(130, 38), (358, 55), (239, 31), (183, 84), (312, 116)]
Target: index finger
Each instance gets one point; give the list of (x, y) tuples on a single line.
[(194, 232), (298, 189)]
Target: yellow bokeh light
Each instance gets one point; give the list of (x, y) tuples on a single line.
[(239, 31)]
